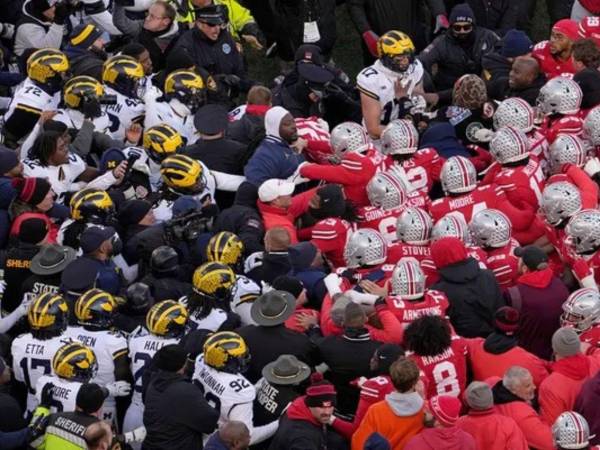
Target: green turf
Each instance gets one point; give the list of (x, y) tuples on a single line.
[(347, 53)]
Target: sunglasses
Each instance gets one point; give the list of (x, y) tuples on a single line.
[(467, 27)]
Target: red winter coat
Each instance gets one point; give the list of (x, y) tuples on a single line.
[(559, 391), (485, 365), (537, 433), (493, 431), (274, 216), (452, 438)]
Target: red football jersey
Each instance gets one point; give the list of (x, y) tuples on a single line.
[(565, 124), (591, 336), (330, 236), (422, 168), (482, 197), (551, 66), (379, 219), (433, 303), (446, 373), (375, 389), (400, 250), (316, 133), (504, 263)]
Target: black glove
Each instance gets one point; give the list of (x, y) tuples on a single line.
[(90, 107), (125, 2), (62, 11), (380, 302), (348, 274), (46, 396), (231, 80)]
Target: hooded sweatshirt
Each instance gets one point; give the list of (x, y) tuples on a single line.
[(398, 419), (34, 31), (558, 392), (451, 438), (587, 405), (493, 431)]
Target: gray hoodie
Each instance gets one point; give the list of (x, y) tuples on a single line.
[(405, 405)]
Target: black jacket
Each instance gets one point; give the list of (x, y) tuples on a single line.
[(217, 57), (474, 296), (222, 155), (247, 129), (266, 344), (495, 66), (455, 59), (500, 90), (496, 15), (347, 357), (176, 414), (16, 271)]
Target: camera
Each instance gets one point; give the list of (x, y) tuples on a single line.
[(102, 100), (188, 227)]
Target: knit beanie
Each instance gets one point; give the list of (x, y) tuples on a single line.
[(8, 160), (273, 120), (506, 320), (320, 393), (445, 408), (479, 396), (132, 211), (83, 36), (462, 13), (288, 284), (31, 190), (448, 250), (565, 342), (469, 92), (567, 27), (170, 358), (515, 43), (33, 231)]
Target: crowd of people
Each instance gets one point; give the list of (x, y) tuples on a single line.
[(195, 259)]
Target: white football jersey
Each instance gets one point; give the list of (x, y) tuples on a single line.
[(32, 358), (64, 393), (142, 347), (212, 321), (32, 98), (107, 346), (74, 119), (163, 210), (162, 112), (244, 294), (62, 178), (122, 114), (223, 391), (377, 81), (236, 113)]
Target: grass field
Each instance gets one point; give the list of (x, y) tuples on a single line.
[(347, 53)]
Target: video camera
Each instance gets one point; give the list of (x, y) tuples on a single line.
[(103, 99), (189, 226)]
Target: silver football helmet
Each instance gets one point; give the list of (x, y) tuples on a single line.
[(571, 430), (365, 247), (559, 95), (490, 228), (591, 126), (581, 310), (348, 137), (514, 112), (458, 175), (414, 226), (451, 225), (583, 229), (509, 145), (567, 148), (386, 191), (400, 137), (408, 279), (560, 201)]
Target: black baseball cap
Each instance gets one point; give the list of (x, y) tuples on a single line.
[(90, 397), (211, 119), (533, 257)]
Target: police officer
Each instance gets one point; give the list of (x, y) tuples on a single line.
[(165, 277), (212, 47)]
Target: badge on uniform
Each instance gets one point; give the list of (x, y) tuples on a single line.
[(226, 48)]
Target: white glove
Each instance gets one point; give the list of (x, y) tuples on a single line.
[(483, 135), (296, 178), (119, 388), (2, 286), (24, 306), (7, 30), (137, 435), (332, 283), (592, 167)]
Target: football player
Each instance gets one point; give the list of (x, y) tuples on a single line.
[(413, 229), (571, 430), (73, 365), (46, 71), (582, 313), (182, 175), (121, 76), (386, 85), (400, 141), (559, 101), (95, 310), (184, 93), (228, 249), (579, 249), (388, 198), (32, 352), (492, 231), (520, 176), (441, 357), (209, 303), (219, 373), (358, 162), (165, 324), (330, 236)]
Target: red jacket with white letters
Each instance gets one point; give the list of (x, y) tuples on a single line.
[(505, 265)]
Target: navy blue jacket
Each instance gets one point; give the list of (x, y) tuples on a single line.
[(273, 159)]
